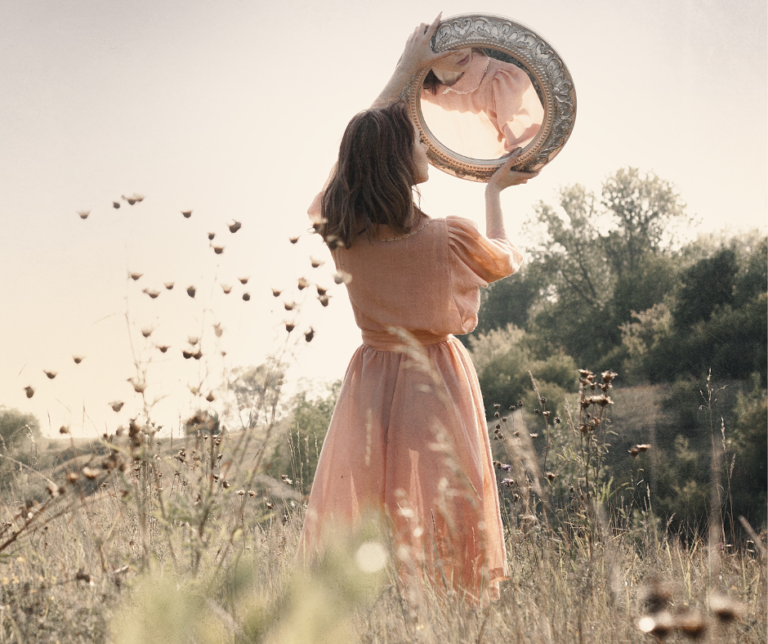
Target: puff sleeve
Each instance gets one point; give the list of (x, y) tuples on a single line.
[(478, 258)]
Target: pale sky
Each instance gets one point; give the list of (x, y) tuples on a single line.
[(235, 109)]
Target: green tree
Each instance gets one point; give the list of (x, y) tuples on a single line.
[(298, 449), (15, 427), (602, 260), (257, 391)]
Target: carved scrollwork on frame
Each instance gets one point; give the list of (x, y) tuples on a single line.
[(546, 70)]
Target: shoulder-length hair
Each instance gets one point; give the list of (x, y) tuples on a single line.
[(374, 177)]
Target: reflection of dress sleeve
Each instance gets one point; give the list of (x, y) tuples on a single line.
[(519, 112)]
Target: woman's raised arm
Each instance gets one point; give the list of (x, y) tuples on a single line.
[(417, 55), (503, 178)]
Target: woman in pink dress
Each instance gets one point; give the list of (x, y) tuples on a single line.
[(408, 436)]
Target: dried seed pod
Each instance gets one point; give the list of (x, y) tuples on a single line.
[(210, 397), (116, 405), (218, 249), (187, 213), (550, 476), (660, 624), (243, 280), (316, 263), (211, 236), (63, 429), (134, 276), (293, 240), (290, 326), (321, 290), (341, 277), (78, 359), (151, 292), (115, 204), (191, 290), (246, 296), (226, 288), (163, 347), (193, 339), (51, 374), (168, 285), (146, 331), (90, 473), (303, 283), (134, 198), (309, 334), (276, 292), (289, 306), (323, 299), (725, 608), (218, 330), (83, 213)]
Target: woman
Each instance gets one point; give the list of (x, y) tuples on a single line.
[(408, 434), (480, 107)]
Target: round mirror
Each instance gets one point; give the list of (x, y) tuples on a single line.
[(504, 88)]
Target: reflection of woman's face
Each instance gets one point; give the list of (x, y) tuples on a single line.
[(420, 159), (458, 62)]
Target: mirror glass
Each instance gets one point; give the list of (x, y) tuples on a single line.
[(481, 103)]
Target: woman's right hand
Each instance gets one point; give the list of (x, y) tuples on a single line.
[(418, 48), (505, 177)]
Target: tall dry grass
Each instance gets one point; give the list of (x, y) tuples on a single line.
[(143, 539)]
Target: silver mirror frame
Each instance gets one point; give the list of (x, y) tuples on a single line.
[(546, 69)]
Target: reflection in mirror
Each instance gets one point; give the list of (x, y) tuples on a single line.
[(481, 103)]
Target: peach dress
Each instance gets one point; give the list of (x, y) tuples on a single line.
[(491, 110), (408, 435)]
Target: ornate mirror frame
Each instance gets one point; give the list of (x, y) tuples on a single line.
[(548, 74)]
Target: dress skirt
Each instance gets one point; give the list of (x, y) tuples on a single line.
[(408, 437)]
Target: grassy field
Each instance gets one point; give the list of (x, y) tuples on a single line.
[(135, 539)]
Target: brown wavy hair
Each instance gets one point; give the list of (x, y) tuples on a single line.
[(374, 177)]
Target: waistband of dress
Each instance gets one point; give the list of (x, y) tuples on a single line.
[(385, 341)]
